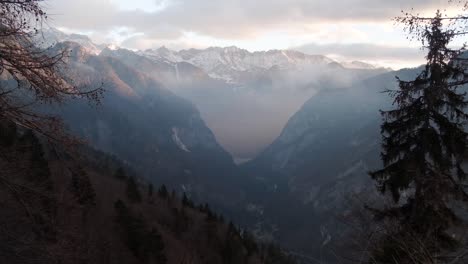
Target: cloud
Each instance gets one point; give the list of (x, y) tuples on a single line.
[(253, 25), (224, 18), (364, 51)]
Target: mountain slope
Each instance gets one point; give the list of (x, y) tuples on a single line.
[(58, 208), (254, 86), (158, 133), (320, 161), (332, 134), (245, 98)]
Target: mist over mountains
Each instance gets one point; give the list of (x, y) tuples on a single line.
[(264, 88), (233, 132), (306, 126)]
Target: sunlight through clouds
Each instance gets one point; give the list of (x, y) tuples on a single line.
[(150, 6), (252, 25)]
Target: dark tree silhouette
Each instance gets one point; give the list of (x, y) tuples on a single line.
[(120, 174), (145, 244), (82, 188), (424, 144), (150, 190), (162, 192), (133, 192), (186, 201)]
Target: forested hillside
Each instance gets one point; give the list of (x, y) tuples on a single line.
[(87, 208)]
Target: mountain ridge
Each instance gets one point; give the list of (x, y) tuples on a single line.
[(219, 62)]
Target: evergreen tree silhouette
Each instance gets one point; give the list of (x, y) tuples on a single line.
[(133, 193), (424, 144)]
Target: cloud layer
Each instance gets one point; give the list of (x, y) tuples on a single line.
[(152, 22), (394, 56), (225, 18)]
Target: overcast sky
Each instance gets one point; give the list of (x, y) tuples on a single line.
[(342, 29)]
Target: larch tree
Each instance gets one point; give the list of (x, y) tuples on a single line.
[(424, 145), (30, 76)]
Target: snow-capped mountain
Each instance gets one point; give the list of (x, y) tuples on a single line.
[(48, 37), (230, 62), (226, 83)]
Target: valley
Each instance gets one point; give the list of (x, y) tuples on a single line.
[(233, 132), (319, 135)]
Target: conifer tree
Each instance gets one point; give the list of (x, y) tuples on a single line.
[(150, 190), (424, 144), (8, 133), (155, 245), (120, 174), (163, 193), (82, 188), (133, 193), (187, 202), (145, 244)]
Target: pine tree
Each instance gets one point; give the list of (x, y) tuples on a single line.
[(133, 229), (133, 193), (154, 244), (145, 244), (39, 179), (82, 188), (187, 202), (120, 174), (8, 133), (163, 193), (424, 144), (41, 175), (181, 221), (150, 190), (250, 243)]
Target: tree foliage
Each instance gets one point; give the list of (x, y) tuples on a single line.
[(424, 142), (150, 190), (162, 192), (31, 76), (120, 174), (133, 192), (145, 244), (82, 188)]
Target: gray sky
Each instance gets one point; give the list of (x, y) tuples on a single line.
[(344, 30)]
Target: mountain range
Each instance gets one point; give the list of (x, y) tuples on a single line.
[(265, 88), (307, 126)]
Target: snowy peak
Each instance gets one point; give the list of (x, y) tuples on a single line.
[(49, 37), (243, 60), (162, 54), (229, 62)]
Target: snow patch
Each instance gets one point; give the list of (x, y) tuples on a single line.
[(359, 165), (176, 139), (228, 63)]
